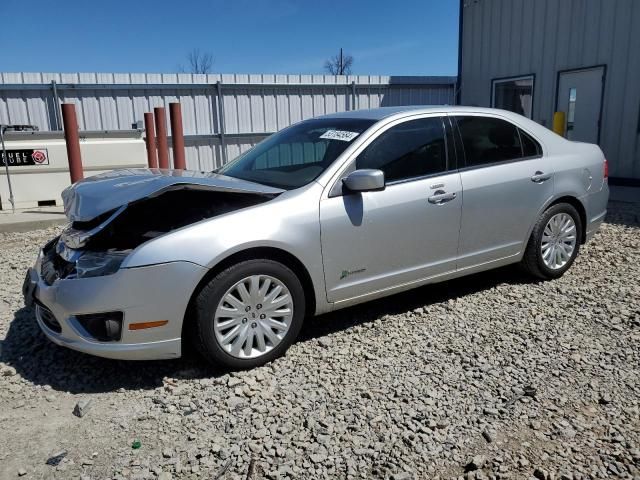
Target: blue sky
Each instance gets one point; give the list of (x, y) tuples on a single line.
[(402, 37)]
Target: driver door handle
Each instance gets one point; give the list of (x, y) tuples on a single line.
[(440, 197), (540, 177)]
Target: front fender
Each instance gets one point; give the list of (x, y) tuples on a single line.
[(289, 222)]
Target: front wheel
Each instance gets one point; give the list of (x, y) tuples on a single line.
[(554, 242), (249, 314)]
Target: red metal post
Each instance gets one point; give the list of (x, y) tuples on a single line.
[(72, 138), (150, 134), (161, 131), (177, 136)]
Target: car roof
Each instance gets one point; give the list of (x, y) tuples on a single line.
[(384, 112), (389, 114)]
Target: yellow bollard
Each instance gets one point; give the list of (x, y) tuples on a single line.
[(559, 120)]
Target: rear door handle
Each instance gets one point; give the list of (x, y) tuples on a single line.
[(540, 177), (440, 197)]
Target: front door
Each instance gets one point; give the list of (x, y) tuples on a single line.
[(580, 97), (373, 241)]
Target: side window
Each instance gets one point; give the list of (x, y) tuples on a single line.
[(411, 149), (530, 147), (488, 140)]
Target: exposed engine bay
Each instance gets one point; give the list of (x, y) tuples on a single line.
[(112, 214), (146, 219), (98, 247)]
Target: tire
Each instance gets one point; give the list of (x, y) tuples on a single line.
[(208, 330), (533, 261)]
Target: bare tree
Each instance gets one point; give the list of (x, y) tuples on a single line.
[(199, 62), (339, 64)]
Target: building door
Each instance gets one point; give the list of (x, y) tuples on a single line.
[(580, 97)]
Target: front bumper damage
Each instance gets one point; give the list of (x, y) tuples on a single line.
[(88, 299), (144, 294)]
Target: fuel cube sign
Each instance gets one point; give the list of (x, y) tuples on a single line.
[(24, 157)]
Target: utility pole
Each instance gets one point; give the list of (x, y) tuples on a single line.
[(6, 166), (5, 158), (340, 67)]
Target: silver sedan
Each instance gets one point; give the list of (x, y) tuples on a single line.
[(327, 213)]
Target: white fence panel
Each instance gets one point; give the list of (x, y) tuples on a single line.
[(253, 106)]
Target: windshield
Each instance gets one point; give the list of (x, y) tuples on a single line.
[(296, 155)]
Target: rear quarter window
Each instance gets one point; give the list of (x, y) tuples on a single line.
[(530, 146)]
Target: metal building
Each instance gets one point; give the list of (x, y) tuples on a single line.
[(536, 57)]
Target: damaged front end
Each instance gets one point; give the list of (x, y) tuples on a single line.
[(113, 213), (59, 261)]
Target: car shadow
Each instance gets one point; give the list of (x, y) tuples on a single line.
[(623, 213), (43, 363), (412, 299)]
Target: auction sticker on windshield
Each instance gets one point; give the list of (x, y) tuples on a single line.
[(341, 135)]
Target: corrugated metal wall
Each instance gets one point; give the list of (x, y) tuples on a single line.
[(504, 38), (247, 106)]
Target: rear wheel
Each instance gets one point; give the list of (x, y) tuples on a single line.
[(249, 314), (554, 242)]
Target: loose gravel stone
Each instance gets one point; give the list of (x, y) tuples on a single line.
[(403, 387), (401, 476), (476, 463), (82, 407)]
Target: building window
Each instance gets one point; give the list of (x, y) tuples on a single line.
[(514, 94), (571, 112)]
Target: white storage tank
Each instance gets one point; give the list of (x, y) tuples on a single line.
[(39, 169)]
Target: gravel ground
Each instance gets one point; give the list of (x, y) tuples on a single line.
[(492, 376)]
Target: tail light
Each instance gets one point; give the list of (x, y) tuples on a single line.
[(606, 169)]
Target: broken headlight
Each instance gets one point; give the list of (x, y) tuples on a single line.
[(97, 264)]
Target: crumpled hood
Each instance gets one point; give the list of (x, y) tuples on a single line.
[(99, 194)]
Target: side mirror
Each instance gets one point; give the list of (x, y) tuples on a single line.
[(365, 180)]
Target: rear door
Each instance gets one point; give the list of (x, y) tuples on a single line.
[(506, 180), (374, 241)]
